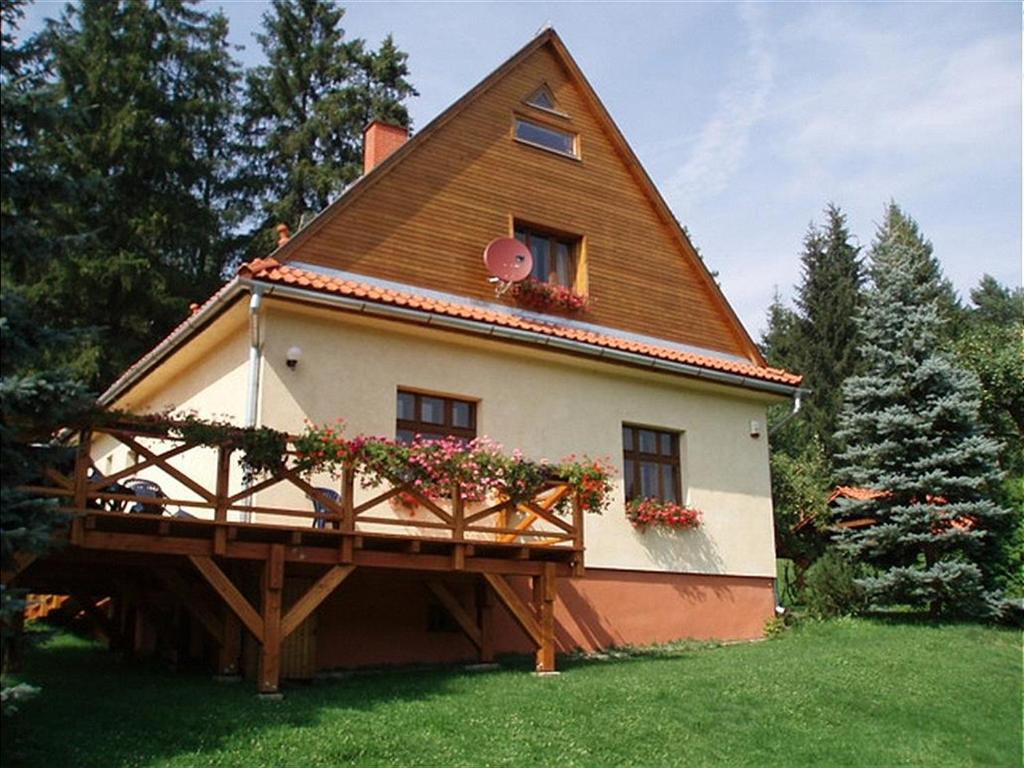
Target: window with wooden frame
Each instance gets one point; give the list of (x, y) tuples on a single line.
[(555, 257), (651, 464), (546, 137), (434, 416), (544, 99)]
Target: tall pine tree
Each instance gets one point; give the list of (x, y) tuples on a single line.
[(828, 298), (911, 430), (129, 132), (818, 339), (305, 110)]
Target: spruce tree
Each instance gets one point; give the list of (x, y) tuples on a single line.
[(827, 301), (910, 428), (305, 110), (129, 132)]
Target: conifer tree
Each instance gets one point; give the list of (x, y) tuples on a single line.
[(129, 129), (827, 301), (910, 428), (305, 111)]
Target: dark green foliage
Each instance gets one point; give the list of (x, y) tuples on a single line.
[(818, 341), (910, 427), (991, 344), (116, 165), (828, 299), (830, 587), (305, 110), (35, 397), (800, 490)]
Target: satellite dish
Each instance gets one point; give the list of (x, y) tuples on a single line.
[(508, 260)]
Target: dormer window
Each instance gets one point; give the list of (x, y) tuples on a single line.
[(546, 137), (555, 257)]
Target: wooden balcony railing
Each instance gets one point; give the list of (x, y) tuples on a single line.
[(202, 484)]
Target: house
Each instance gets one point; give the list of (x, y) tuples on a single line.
[(380, 311)]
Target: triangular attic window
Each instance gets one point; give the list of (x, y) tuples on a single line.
[(542, 98)]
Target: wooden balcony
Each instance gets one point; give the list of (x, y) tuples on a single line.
[(186, 508)]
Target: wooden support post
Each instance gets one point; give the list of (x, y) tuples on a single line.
[(269, 674), (458, 528), (544, 594), (519, 610), (220, 511), (231, 645), (456, 611), (577, 536), (196, 606), (81, 485), (316, 594), (485, 616), (348, 519), (234, 599)]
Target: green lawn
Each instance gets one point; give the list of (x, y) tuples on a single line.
[(843, 693)]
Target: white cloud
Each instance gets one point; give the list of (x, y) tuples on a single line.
[(722, 144)]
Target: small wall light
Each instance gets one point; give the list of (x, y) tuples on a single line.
[(755, 428), (293, 356)]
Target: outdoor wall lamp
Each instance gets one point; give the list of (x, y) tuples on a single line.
[(293, 356)]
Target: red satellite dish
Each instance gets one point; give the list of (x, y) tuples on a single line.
[(508, 260)]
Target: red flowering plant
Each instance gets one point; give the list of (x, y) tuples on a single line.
[(648, 511), (433, 467), (592, 478), (536, 294), (325, 448)]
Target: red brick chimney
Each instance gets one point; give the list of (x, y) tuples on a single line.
[(380, 139)]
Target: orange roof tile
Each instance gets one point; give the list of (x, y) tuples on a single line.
[(270, 270)]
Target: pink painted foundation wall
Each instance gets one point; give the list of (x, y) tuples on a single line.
[(380, 617)]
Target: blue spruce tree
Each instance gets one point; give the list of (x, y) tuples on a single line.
[(910, 430)]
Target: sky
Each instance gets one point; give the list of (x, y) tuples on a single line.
[(751, 117)]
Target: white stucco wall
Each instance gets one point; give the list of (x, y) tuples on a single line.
[(549, 406), (209, 375)]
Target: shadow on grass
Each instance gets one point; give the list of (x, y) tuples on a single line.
[(96, 708)]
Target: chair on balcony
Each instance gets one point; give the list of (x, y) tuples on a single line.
[(322, 509), (146, 489), (109, 505)]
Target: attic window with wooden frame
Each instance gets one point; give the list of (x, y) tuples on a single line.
[(555, 257), (544, 99), (546, 137)]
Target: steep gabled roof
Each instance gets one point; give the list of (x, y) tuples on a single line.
[(551, 39)]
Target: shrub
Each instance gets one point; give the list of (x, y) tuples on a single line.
[(830, 587)]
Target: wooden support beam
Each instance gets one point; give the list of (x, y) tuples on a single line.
[(196, 606), (269, 675), (20, 561), (544, 595), (102, 620), (519, 610), (460, 614), (231, 645), (234, 599), (82, 462), (316, 594)]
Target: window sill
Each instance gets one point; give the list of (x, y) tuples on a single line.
[(549, 150)]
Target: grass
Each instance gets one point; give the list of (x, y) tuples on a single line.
[(844, 693)]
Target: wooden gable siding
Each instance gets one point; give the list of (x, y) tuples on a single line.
[(427, 220)]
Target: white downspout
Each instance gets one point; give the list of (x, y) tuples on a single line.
[(255, 366)]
